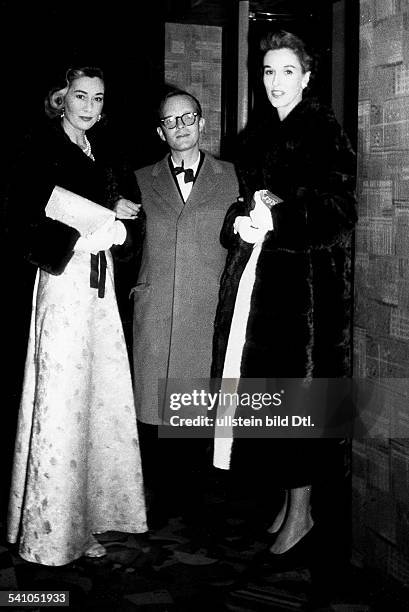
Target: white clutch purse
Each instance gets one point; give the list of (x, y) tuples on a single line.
[(80, 213)]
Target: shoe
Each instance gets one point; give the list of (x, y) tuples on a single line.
[(299, 555), (269, 539), (94, 549), (274, 532)]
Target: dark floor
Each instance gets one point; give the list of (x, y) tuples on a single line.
[(220, 567)]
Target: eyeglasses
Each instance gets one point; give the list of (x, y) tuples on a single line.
[(171, 122)]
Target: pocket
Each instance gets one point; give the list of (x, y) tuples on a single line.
[(139, 289)]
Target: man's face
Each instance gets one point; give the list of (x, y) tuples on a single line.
[(182, 137)]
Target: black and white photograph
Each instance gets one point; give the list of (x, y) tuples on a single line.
[(205, 247)]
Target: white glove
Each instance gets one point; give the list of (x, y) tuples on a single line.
[(119, 232), (245, 228), (261, 215), (112, 232)]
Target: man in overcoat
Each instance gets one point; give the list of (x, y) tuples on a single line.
[(185, 197)]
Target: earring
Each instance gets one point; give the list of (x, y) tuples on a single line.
[(62, 113), (99, 117)]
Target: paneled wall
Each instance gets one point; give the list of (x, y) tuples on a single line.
[(381, 335)]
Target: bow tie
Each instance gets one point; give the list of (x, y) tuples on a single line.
[(189, 175)]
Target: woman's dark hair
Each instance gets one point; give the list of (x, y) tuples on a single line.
[(179, 92), (286, 40), (54, 101)]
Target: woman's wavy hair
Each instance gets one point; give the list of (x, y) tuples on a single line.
[(54, 101)]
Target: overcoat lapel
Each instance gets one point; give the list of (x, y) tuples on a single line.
[(203, 186), (164, 185)]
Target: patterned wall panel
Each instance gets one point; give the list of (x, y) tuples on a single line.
[(381, 338), (193, 61)]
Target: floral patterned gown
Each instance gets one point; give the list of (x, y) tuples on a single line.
[(77, 467)]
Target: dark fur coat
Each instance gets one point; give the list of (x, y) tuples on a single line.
[(300, 313)]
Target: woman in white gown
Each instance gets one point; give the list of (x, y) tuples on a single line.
[(77, 469)]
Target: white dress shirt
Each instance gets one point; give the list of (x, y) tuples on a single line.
[(186, 188)]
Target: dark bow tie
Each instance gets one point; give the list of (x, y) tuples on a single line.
[(189, 175)]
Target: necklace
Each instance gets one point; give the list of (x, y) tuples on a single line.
[(87, 148)]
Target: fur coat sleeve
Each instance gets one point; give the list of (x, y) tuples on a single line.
[(43, 242)]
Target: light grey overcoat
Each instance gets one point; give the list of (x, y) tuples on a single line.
[(177, 290)]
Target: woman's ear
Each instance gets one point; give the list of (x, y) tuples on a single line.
[(305, 79)]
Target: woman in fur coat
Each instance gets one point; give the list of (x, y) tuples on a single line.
[(284, 309), (77, 469)]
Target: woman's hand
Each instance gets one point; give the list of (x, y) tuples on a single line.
[(126, 209), (261, 215), (110, 233), (245, 228)]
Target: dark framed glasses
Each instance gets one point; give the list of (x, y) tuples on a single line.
[(171, 122)]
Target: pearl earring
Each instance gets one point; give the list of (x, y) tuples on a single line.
[(62, 113), (99, 117)]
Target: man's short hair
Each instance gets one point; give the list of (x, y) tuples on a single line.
[(179, 92)]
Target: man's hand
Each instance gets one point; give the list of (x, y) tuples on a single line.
[(126, 209)]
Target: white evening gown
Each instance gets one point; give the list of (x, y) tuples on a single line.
[(77, 467)]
